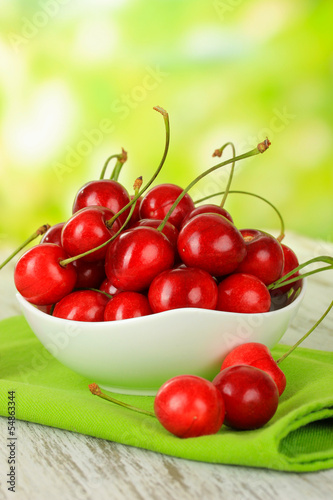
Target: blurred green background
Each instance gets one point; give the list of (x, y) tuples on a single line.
[(79, 79)]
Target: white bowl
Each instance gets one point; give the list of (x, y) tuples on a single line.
[(137, 355)]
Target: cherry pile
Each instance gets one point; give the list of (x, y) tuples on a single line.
[(121, 256)]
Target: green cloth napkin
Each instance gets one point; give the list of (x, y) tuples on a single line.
[(298, 438)]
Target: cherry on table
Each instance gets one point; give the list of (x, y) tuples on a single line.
[(243, 293), (250, 395), (258, 355), (82, 305), (189, 406)]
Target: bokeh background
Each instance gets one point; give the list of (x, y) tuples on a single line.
[(79, 79)]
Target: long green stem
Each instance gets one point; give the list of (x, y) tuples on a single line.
[(218, 152), (119, 165), (284, 279), (281, 235), (306, 335), (96, 391), (166, 149), (259, 149), (41, 230)]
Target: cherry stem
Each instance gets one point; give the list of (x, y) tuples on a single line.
[(64, 262), (218, 152), (41, 230), (166, 149), (121, 158), (96, 391), (281, 235), (285, 281), (259, 149), (306, 335)]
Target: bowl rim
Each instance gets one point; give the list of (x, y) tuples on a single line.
[(152, 317)]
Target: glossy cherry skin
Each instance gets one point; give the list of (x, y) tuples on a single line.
[(212, 243), (250, 395), (53, 234), (87, 229), (106, 286), (207, 209), (170, 231), (104, 193), (136, 256), (127, 305), (243, 293), (258, 355), (89, 274), (82, 305), (40, 278), (157, 202), (189, 406), (290, 263), (182, 287), (264, 257)]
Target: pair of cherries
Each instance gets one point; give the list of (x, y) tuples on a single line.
[(243, 396)]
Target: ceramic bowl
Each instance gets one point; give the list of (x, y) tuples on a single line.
[(137, 355)]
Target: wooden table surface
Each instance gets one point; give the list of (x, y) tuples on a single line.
[(57, 464)]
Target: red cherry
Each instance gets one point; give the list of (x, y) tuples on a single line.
[(207, 209), (258, 355), (53, 234), (264, 257), (169, 229), (250, 395), (182, 287), (136, 256), (104, 193), (243, 293), (107, 287), (211, 242), (82, 305), (126, 305), (157, 202), (87, 229), (189, 406), (40, 278), (89, 274), (290, 263)]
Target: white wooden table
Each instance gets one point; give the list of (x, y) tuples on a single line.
[(56, 464)]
